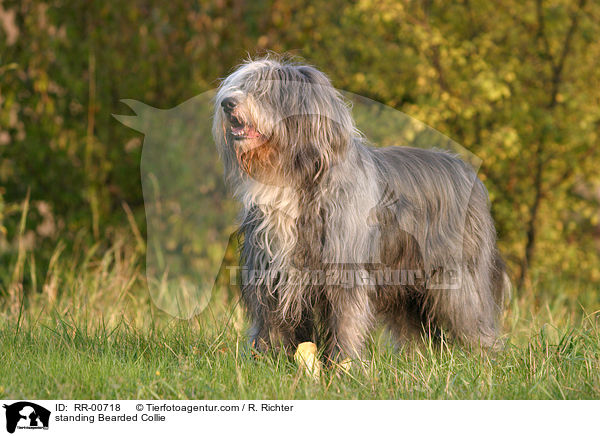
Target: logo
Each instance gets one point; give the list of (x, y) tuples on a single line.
[(26, 415)]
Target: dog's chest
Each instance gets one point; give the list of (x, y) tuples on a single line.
[(274, 230), (291, 226)]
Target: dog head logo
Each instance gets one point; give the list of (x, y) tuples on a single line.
[(190, 212), (26, 415)]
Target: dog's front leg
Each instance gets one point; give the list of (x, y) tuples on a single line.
[(271, 334), (260, 336), (266, 333)]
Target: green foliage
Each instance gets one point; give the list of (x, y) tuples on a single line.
[(516, 83)]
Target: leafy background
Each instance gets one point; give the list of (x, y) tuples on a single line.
[(516, 83)]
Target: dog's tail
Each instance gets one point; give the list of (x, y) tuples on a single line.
[(502, 284)]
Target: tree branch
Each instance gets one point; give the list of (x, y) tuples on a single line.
[(557, 70)]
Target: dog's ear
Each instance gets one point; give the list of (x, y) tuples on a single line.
[(328, 114), (332, 135), (320, 142)]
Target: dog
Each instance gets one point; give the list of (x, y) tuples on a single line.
[(327, 220)]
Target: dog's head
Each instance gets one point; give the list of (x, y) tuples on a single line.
[(280, 122)]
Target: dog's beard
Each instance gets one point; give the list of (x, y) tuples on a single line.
[(260, 161)]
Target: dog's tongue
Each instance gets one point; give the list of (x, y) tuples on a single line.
[(251, 132)]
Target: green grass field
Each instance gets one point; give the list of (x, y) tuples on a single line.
[(92, 332)]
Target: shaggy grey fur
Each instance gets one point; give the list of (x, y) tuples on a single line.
[(328, 221)]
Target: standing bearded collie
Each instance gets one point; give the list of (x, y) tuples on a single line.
[(338, 234)]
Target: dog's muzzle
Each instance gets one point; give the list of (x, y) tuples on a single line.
[(239, 129)]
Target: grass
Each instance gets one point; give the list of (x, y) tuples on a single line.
[(91, 332)]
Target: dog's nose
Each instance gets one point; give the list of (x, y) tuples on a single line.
[(228, 104)]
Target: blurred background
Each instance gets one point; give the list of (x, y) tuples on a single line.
[(516, 83)]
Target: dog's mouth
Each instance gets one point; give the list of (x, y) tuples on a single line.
[(241, 130)]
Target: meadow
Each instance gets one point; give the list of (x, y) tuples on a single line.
[(93, 333)]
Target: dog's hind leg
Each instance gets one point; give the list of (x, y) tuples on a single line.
[(406, 323), (470, 307), (469, 313), (350, 320)]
